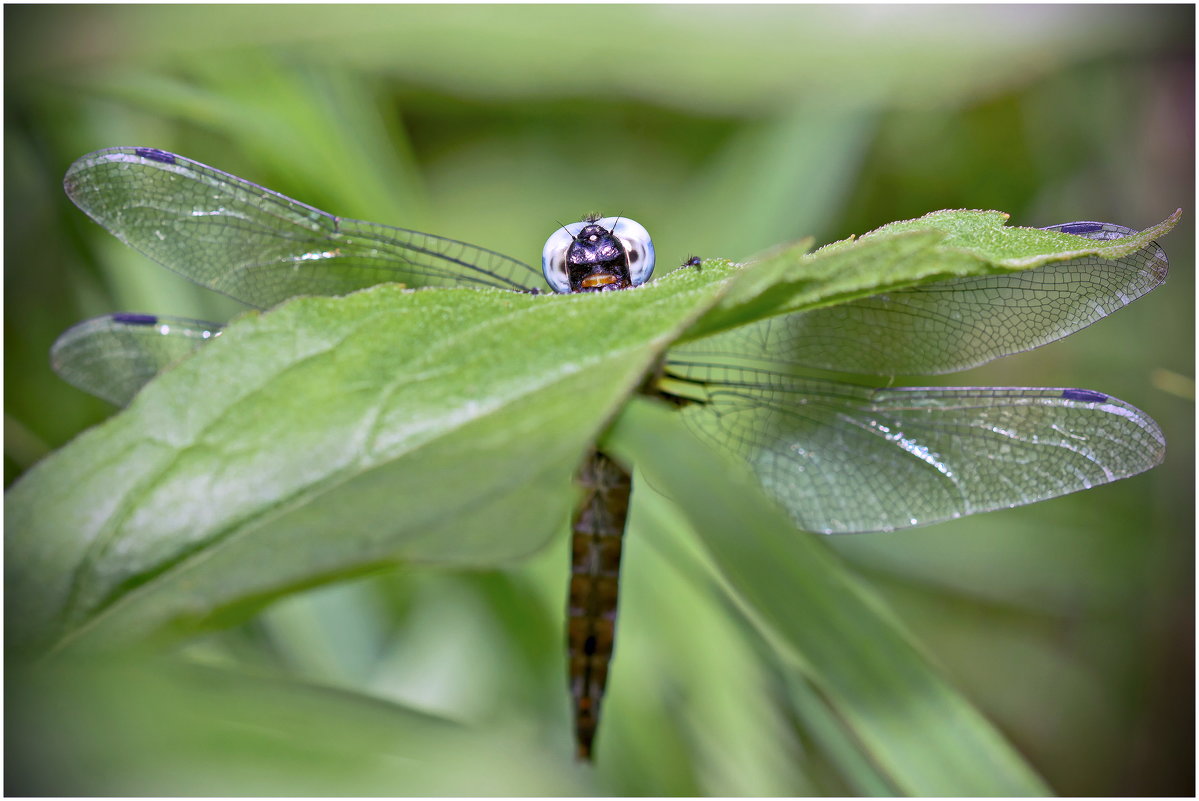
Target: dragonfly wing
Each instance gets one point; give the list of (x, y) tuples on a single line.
[(259, 246), (956, 324), (844, 458), (113, 356)]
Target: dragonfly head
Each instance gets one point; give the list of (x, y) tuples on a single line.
[(598, 255)]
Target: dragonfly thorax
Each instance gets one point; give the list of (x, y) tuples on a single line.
[(598, 254)]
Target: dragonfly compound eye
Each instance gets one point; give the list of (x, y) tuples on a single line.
[(637, 245), (553, 256)]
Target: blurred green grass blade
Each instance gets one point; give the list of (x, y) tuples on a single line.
[(168, 728), (327, 437), (790, 175), (917, 57), (687, 672), (923, 735), (324, 135), (835, 742), (21, 445), (337, 122)]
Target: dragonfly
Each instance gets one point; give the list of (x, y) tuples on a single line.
[(838, 455)]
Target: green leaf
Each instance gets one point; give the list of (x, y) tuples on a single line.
[(328, 437), (921, 734), (938, 246)]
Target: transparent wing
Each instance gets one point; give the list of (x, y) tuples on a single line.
[(843, 458), (113, 356), (953, 325), (259, 246)]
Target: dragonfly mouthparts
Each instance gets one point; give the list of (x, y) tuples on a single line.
[(598, 281)]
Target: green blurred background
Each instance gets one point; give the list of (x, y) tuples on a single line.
[(724, 130)]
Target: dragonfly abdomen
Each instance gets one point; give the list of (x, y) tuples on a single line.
[(597, 532)]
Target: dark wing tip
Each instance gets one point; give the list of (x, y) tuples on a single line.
[(134, 319), (155, 154), (1084, 395)]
